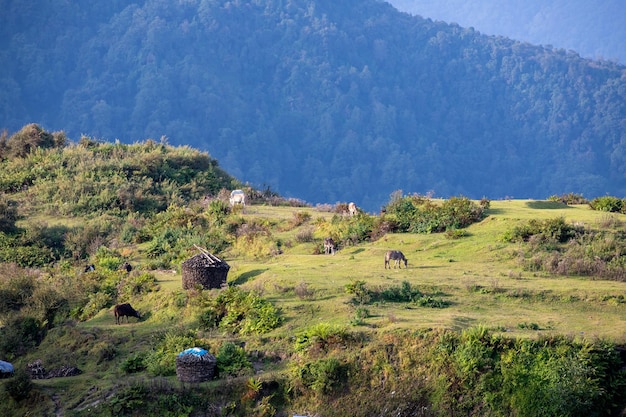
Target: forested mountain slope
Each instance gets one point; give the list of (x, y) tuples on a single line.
[(325, 101)]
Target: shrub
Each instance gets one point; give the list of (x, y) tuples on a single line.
[(19, 335), (322, 336), (162, 360), (418, 214), (134, 363), (362, 295), (232, 360), (20, 386), (137, 284), (569, 199), (550, 229), (239, 311), (96, 302), (323, 376), (608, 204)]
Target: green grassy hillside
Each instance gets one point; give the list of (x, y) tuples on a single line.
[(521, 311), (479, 274)]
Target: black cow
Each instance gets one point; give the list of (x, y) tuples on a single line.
[(397, 256), (125, 309), (126, 267), (90, 268)]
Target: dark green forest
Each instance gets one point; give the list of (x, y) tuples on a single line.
[(320, 100)]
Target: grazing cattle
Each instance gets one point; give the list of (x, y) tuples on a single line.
[(122, 310), (126, 267), (329, 246), (396, 256), (237, 197), (352, 209), (90, 268)]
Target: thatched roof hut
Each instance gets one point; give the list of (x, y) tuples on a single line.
[(195, 365), (204, 269)]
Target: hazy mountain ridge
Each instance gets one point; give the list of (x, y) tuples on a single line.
[(593, 29), (324, 101)]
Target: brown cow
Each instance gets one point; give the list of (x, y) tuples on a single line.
[(125, 309), (396, 256)]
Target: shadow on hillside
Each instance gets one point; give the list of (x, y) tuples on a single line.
[(546, 205), (462, 323), (425, 266), (359, 250), (243, 278)]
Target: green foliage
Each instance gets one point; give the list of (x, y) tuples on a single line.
[(30, 138), (135, 285), (569, 199), (240, 311), (560, 248), (20, 386), (232, 360), (134, 363), (96, 302), (362, 295), (609, 204), (8, 215), (19, 335), (550, 229), (162, 359), (418, 214), (405, 293), (322, 376), (94, 177), (321, 337)]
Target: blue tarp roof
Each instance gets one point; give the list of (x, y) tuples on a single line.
[(6, 367), (194, 351)]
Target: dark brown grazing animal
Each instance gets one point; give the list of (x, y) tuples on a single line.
[(397, 256), (122, 310), (329, 246), (126, 267)]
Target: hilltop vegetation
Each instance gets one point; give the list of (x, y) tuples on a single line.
[(480, 323), (353, 98)]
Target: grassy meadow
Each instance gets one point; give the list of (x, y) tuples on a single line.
[(478, 274)]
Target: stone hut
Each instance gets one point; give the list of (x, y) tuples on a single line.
[(195, 365), (204, 269)]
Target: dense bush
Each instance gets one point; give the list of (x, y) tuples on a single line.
[(609, 204), (322, 337), (551, 229), (404, 293), (419, 214), (322, 376), (569, 199), (232, 360), (19, 335), (559, 248), (239, 311), (94, 177), (20, 386)]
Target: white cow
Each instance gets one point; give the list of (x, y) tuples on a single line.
[(237, 197), (352, 209)]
